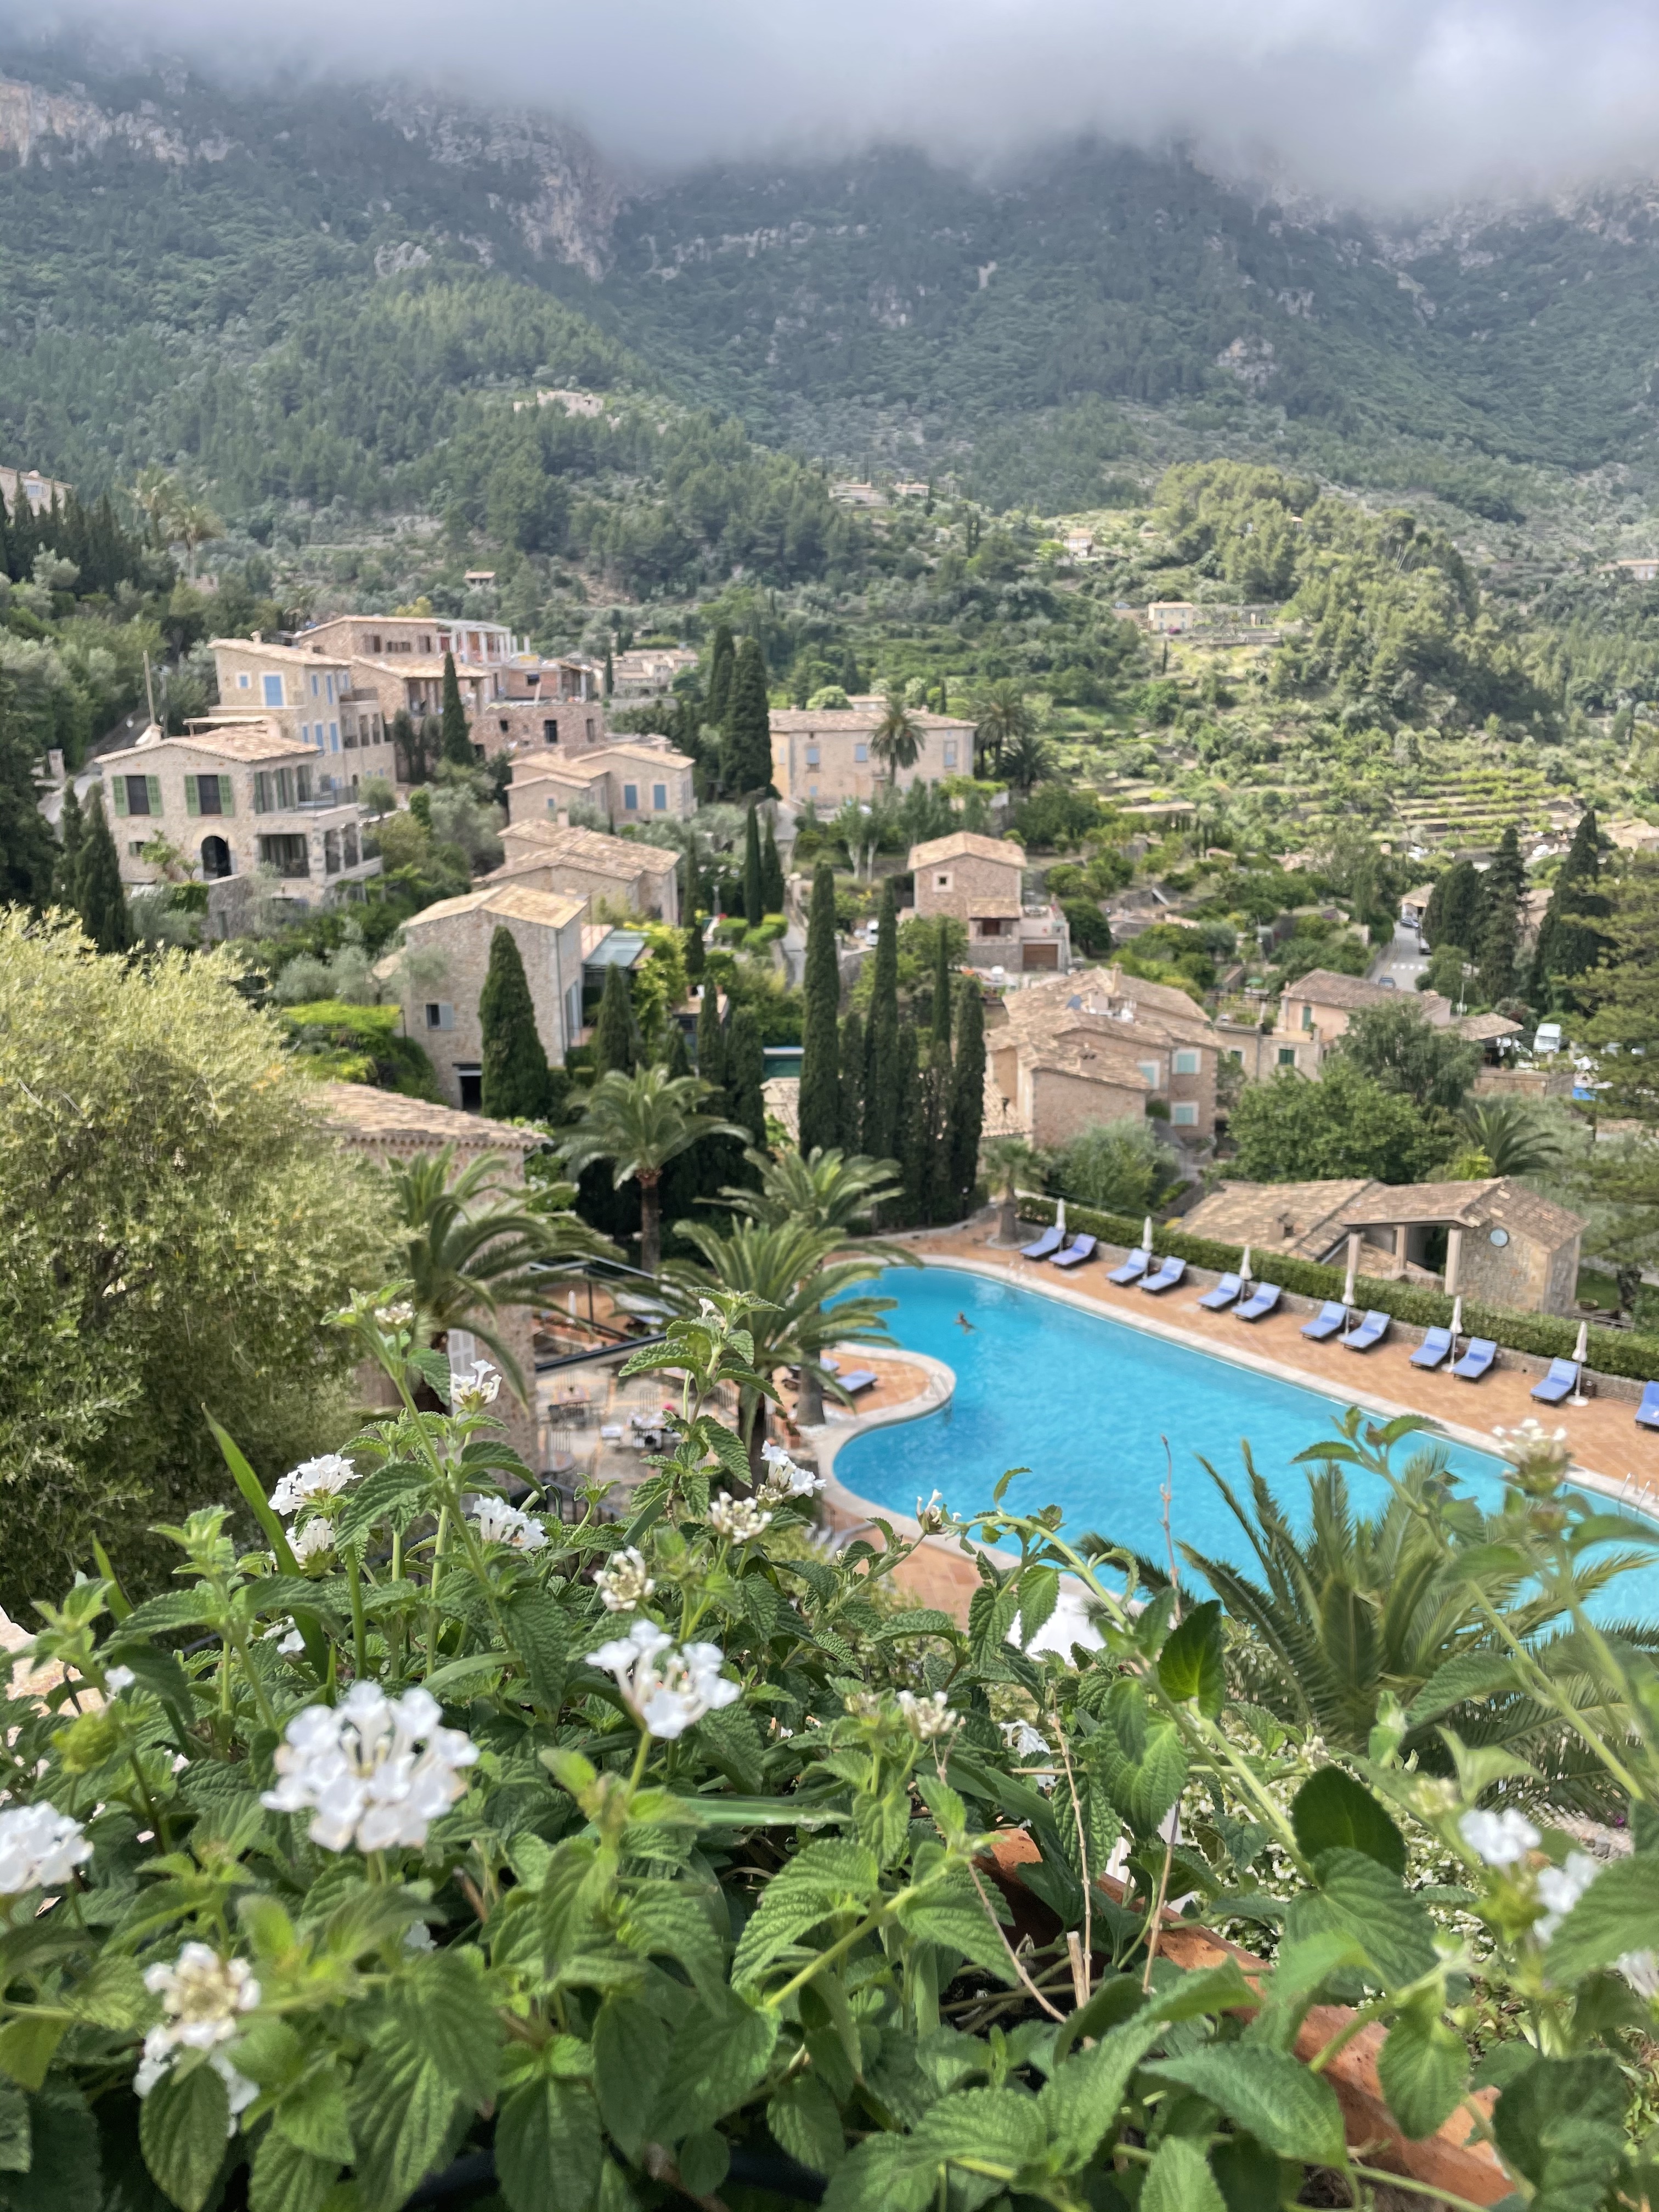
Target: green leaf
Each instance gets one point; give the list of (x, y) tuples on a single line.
[(473, 1670), (1359, 1898), (825, 1878), (805, 2122), (182, 2127), (188, 1608), (1207, 1990), (1425, 2069), (1268, 2094), (539, 1632), (286, 2179), (548, 2148), (1471, 1675), (1303, 1964), (113, 1995), (630, 2057), (883, 2174), (27, 2047), (64, 2173), (1179, 2179), (447, 2015), (1561, 2128), (1081, 2102), (381, 1497), (731, 1740), (718, 2055), (1137, 1755), (918, 1620), (665, 1918), (405, 2118), (1039, 1593), (952, 1915), (15, 2141), (1331, 1810), (312, 2116), (994, 2127), (705, 2161), (258, 1505), (1618, 1913), (1190, 1664)]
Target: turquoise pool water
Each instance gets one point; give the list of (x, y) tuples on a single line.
[(1085, 1403)]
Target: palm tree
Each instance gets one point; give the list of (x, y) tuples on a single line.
[(194, 526), (1008, 1162), (1003, 718), (806, 1305), (1025, 760), (1358, 1617), (1511, 1137), (473, 1245), (156, 495), (640, 1122), (896, 737), (824, 1190)]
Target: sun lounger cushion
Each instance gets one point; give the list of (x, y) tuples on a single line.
[(1476, 1360), (861, 1378), (1327, 1322), (1560, 1382), (1050, 1241), (1133, 1267), (1648, 1411), (1222, 1295), (1262, 1303), (1370, 1331), (1436, 1346), (1166, 1278), (1076, 1254)]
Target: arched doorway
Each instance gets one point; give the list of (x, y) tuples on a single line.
[(216, 859)]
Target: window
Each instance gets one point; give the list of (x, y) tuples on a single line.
[(1186, 1063), (439, 1014), (1184, 1113), (334, 736), (1287, 1055), (375, 643), (860, 752), (331, 851), (471, 1082), (1307, 1018), (313, 683), (1236, 1053), (630, 799), (949, 752), (942, 883), (244, 681), (301, 785), (208, 795), (1149, 1069), (305, 733), (316, 734), (271, 687), (660, 798), (217, 863), (329, 682), (590, 729), (138, 794), (264, 791), (136, 847), (348, 853), (550, 733), (814, 754), (289, 855)]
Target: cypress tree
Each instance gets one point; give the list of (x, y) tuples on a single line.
[(610, 673), (748, 724), (453, 741), (911, 1147), (820, 1066), (695, 952), (721, 656), (69, 857), (945, 694), (98, 897), (1451, 917), (771, 872), (941, 985), (711, 1042), (616, 1038), (967, 1096), (850, 1136), (1499, 919), (746, 1075), (754, 896), (881, 1043), (516, 1086), (1568, 940)]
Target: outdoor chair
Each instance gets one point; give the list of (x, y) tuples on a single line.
[(1436, 1346), (1050, 1241), (1327, 1321), (1476, 1360), (1370, 1331), (1647, 1413), (1133, 1268), (1560, 1382), (1223, 1293), (1262, 1303), (1166, 1278)]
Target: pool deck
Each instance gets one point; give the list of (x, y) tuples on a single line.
[(1610, 1453)]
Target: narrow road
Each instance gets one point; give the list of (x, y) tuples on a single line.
[(1401, 963)]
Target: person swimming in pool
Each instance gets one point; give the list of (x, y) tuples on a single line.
[(962, 1321)]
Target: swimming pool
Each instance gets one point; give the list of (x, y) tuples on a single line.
[(1085, 1403)]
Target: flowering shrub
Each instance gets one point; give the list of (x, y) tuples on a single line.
[(650, 1857)]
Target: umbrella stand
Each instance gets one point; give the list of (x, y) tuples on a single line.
[(1581, 1356)]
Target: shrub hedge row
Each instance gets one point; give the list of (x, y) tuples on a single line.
[(1545, 1336)]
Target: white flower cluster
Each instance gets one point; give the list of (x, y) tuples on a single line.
[(399, 1315), (285, 1636), (933, 1513), (472, 1388), (311, 1540), (1528, 1437), (625, 1584), (737, 1519), (203, 1997), (784, 1479), (929, 1719), (666, 1689), (1027, 1742), (119, 1679), (359, 1768), (1499, 1840), (1559, 1889), (498, 1522), (326, 1476), (1503, 1839), (40, 1848)]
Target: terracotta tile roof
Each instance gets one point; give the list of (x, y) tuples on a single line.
[(278, 651), (1306, 1218), (519, 902), (968, 845), (1323, 987), (1310, 1218), (239, 742), (1480, 1029), (859, 719), (588, 849), (358, 1109)]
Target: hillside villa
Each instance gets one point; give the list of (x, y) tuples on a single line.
[(547, 927), (825, 754), (1066, 1054), (588, 864), (979, 882), (630, 779)]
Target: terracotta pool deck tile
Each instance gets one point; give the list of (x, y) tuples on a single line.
[(1603, 1433)]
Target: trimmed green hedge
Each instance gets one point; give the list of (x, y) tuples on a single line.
[(1545, 1336)]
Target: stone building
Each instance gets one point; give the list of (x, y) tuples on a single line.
[(977, 881), (630, 779), (229, 798), (1100, 1046), (586, 863), (827, 754), (443, 1017), (1493, 1240), (312, 698)]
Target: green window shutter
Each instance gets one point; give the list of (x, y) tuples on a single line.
[(154, 783), (226, 796), (118, 790), (192, 795)]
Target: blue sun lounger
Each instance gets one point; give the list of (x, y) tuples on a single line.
[(1133, 1268), (1266, 1298), (1081, 1249), (1476, 1360), (1166, 1278), (1223, 1293), (1327, 1322), (1370, 1331), (1560, 1382), (1437, 1345), (1050, 1241), (861, 1378), (1647, 1413)]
